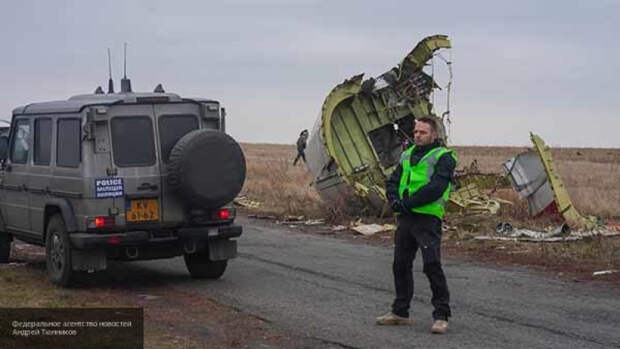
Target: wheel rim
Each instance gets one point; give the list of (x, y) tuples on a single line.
[(57, 253)]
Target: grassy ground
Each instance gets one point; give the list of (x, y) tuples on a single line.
[(282, 189), (590, 176)]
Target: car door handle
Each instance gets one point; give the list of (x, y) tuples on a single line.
[(147, 186)]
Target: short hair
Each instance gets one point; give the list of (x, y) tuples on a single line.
[(429, 121)]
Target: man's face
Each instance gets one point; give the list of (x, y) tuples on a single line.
[(423, 134)]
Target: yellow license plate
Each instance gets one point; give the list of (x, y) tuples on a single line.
[(143, 210)]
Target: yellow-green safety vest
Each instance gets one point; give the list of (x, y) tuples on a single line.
[(415, 177)]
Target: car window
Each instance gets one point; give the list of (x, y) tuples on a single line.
[(42, 141), (132, 141), (21, 147), (172, 128), (68, 149)]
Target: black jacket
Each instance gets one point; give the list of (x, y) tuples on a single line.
[(444, 171), (301, 143)]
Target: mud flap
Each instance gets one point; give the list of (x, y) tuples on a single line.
[(89, 260), (222, 249)]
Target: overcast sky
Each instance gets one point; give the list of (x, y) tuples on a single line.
[(551, 67)]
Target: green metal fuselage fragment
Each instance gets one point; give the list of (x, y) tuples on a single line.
[(355, 139), (562, 199)]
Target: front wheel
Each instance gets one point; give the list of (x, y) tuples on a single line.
[(200, 267), (58, 253)]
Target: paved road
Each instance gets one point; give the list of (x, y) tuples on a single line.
[(332, 290)]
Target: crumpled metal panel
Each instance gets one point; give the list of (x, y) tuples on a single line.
[(345, 148), (527, 175), (535, 177)]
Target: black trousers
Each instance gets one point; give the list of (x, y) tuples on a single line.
[(300, 154), (424, 232)]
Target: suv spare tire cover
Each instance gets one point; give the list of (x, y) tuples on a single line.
[(206, 168)]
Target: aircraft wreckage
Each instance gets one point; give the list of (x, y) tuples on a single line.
[(364, 126), (357, 140)]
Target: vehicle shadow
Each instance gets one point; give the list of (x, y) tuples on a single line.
[(138, 275)]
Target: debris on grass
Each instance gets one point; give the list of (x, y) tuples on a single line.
[(605, 272), (261, 216), (299, 220), (314, 222), (360, 133), (13, 265), (243, 201), (612, 226), (534, 176), (472, 200), (558, 234), (372, 229), (148, 297)]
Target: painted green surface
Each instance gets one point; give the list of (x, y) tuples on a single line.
[(349, 115), (562, 199)]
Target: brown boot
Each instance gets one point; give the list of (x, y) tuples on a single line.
[(440, 327), (393, 319)]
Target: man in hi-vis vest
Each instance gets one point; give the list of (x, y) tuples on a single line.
[(417, 192)]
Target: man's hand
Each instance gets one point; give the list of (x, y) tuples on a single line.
[(397, 206)]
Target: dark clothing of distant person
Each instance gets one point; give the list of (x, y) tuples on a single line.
[(301, 147), (423, 231)]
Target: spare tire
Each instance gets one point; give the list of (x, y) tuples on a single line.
[(207, 168)]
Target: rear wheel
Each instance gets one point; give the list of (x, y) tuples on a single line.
[(5, 244), (5, 247), (200, 267), (58, 252)]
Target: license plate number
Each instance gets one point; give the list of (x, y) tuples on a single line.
[(143, 210)]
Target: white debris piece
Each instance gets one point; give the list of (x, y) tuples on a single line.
[(245, 202), (294, 222), (371, 229), (604, 272), (12, 264), (314, 222), (368, 229), (148, 297), (527, 235)]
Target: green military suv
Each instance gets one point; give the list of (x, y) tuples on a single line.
[(121, 176)]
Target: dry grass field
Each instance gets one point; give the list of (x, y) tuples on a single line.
[(590, 175), (281, 188)]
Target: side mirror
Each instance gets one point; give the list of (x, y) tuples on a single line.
[(223, 120), (4, 147)]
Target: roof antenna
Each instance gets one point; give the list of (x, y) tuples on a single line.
[(110, 81), (125, 83)]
